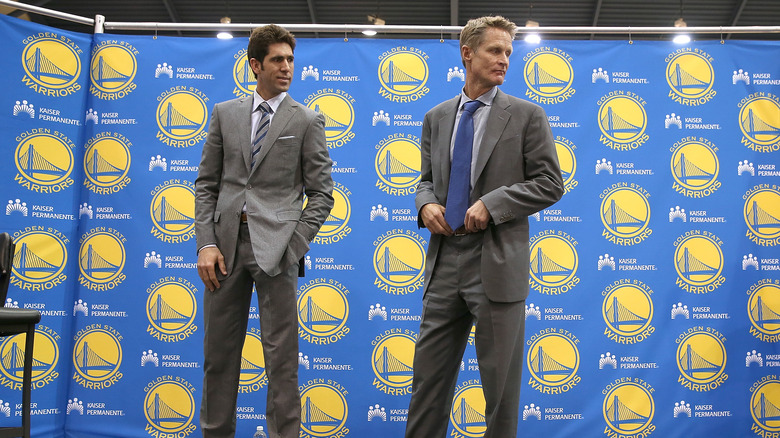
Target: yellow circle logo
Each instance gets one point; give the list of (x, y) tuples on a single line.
[(399, 260), (40, 257), (398, 165), (45, 356), (243, 76), (695, 167), (97, 356), (45, 160), (323, 410), (107, 161), (763, 307), (181, 115), (764, 403), (171, 308), (548, 74), (468, 411), (567, 161), (253, 376), (553, 360), (339, 116), (323, 310), (392, 361), (338, 219), (628, 409), (169, 407), (625, 213), (554, 261), (690, 76), (622, 119), (698, 260), (113, 68), (627, 310), (762, 215), (173, 210), (101, 257), (759, 120), (51, 63), (701, 359), (403, 73)]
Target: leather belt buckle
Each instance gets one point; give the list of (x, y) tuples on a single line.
[(243, 217), (460, 232)]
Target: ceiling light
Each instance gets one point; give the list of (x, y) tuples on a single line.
[(224, 35), (376, 21), (532, 37), (681, 38)]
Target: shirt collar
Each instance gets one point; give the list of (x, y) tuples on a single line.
[(273, 102), (486, 99)]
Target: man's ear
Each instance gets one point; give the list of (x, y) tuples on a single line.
[(466, 53)]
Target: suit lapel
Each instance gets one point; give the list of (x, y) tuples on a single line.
[(496, 122), (245, 111), (442, 151), (282, 116)]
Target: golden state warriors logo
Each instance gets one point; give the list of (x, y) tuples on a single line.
[(171, 307), (701, 359), (759, 121), (399, 262), (46, 356), (253, 376), (44, 160), (762, 214), (554, 262), (169, 407), (39, 259), (553, 360), (628, 311), (243, 76), (549, 75), (113, 69), (181, 116), (173, 211), (397, 164), (698, 259), (467, 414), (567, 161), (403, 73), (622, 120), (625, 214), (336, 225), (106, 163), (324, 409), (97, 356), (764, 401), (102, 259), (51, 64), (690, 76), (628, 408), (695, 167), (763, 306), (323, 310), (392, 360), (337, 107)]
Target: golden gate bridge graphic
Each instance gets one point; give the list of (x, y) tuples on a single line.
[(466, 417), (621, 416), (163, 313), (392, 267), (689, 266), (90, 363), (765, 411), (544, 81), (613, 124), (159, 412), (251, 370), (389, 366), (392, 169), (42, 68), (332, 126), (102, 73), (26, 262), (245, 76), (312, 416), (689, 173), (92, 263), (754, 126), (543, 365), (166, 215), (33, 163), (97, 166), (13, 360), (684, 82), (171, 119), (542, 266), (620, 317), (394, 76), (333, 220), (619, 219), (312, 315), (763, 315), (759, 219), (692, 362)]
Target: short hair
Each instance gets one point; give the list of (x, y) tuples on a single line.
[(262, 37), (474, 31)]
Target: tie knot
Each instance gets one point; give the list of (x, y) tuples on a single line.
[(471, 106), (264, 107)]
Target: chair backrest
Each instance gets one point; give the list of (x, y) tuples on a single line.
[(6, 260)]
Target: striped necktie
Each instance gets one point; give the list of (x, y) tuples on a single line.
[(262, 130), (460, 168)]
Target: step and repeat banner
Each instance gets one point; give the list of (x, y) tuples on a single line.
[(655, 282)]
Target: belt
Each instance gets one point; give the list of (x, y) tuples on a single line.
[(243, 217)]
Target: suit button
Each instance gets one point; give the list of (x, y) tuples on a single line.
[(249, 186)]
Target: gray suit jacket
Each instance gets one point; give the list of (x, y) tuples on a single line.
[(517, 174), (293, 160)]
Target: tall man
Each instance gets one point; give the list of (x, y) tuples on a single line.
[(261, 155), (488, 162)]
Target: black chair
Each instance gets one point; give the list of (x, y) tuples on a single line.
[(12, 322)]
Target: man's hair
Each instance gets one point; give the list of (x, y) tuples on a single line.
[(473, 32), (262, 37)]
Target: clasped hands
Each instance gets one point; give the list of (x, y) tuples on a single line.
[(477, 218)]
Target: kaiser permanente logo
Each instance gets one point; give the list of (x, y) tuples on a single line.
[(106, 163), (45, 357), (690, 76), (567, 161), (553, 360), (102, 259), (627, 310), (392, 360), (701, 359), (252, 377), (758, 120), (764, 400), (763, 306), (337, 107), (324, 409), (323, 310), (243, 76), (97, 356), (698, 260), (625, 214), (40, 258), (44, 160), (762, 214), (695, 167), (554, 262), (622, 120), (336, 225), (399, 260), (628, 408), (549, 75), (173, 211), (171, 307), (181, 116), (403, 73), (467, 413), (52, 64), (113, 69), (398, 164), (169, 407)]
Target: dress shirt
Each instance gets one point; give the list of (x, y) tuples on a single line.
[(480, 123)]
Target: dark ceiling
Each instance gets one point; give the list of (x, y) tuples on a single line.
[(602, 13)]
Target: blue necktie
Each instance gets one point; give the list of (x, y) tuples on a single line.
[(460, 168), (262, 129)]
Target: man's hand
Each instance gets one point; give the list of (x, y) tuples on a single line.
[(208, 259), (477, 217), (433, 218)]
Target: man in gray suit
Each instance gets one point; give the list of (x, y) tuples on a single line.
[(261, 155), (476, 271)]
